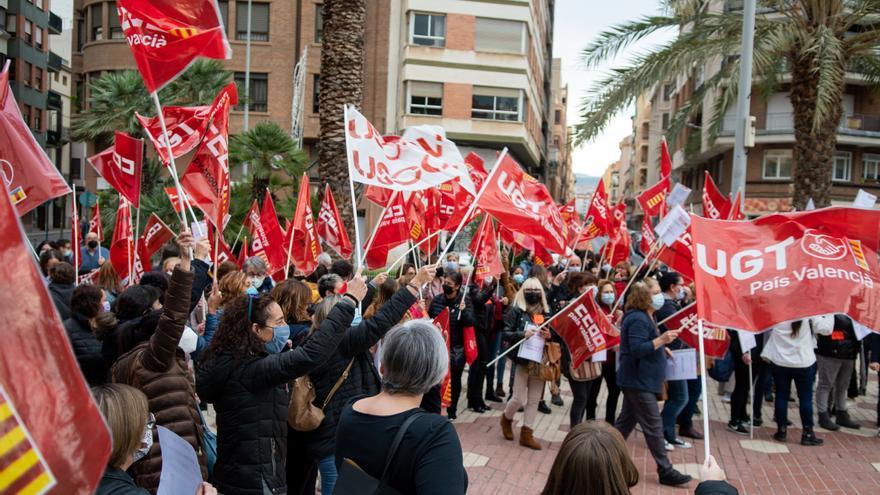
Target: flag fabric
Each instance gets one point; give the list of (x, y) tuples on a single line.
[(53, 434), (166, 36), (172, 196), (243, 254), (259, 239), (515, 239), (422, 158), (30, 178), (715, 205), (206, 179), (716, 340), (122, 245), (542, 256), (596, 223), (619, 244), (755, 274), (95, 222), (392, 229), (572, 220), (665, 159), (186, 128), (154, 236), (522, 204), (274, 248), (442, 324), (306, 245), (585, 328), (648, 237), (330, 228), (222, 253), (653, 198), (484, 248), (736, 208), (419, 216), (680, 255), (461, 201), (120, 165), (378, 195), (377, 256)]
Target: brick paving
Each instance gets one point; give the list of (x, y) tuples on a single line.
[(848, 463)]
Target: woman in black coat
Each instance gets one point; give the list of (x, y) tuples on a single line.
[(85, 305), (249, 387), (461, 316)]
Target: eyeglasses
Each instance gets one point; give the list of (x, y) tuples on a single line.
[(151, 421)]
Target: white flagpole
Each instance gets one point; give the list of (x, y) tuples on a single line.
[(467, 282), (751, 401), (705, 399), (75, 231), (238, 236), (128, 246), (363, 255), (391, 266), (632, 278), (357, 230)]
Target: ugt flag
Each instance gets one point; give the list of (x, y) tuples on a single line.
[(716, 340), (751, 275), (166, 36), (585, 328)]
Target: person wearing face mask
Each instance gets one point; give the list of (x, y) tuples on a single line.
[(461, 316), (85, 306), (92, 255), (605, 297), (249, 386), (640, 374), (131, 425), (256, 270), (587, 376), (65, 248), (352, 363)]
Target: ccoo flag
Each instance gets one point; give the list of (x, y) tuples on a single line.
[(585, 328), (120, 165), (330, 228)]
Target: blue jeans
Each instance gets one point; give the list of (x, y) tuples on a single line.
[(327, 468), (803, 382), (686, 416), (677, 398)]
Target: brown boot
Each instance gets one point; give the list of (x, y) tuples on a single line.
[(527, 440), (506, 427)]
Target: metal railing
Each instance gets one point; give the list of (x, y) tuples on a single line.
[(784, 122)]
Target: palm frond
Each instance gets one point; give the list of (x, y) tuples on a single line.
[(609, 43), (114, 99), (830, 70)]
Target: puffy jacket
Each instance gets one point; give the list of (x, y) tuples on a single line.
[(158, 368), (87, 349), (841, 342), (61, 294), (363, 379), (251, 395), (456, 324), (642, 367)]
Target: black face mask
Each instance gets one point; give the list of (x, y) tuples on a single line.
[(93, 244), (533, 297), (448, 290)]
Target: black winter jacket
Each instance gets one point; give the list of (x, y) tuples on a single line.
[(118, 482), (363, 379), (515, 330), (61, 294), (484, 309), (842, 343), (456, 324), (670, 307), (251, 396), (87, 349)]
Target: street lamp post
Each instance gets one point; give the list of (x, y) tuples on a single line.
[(743, 99)]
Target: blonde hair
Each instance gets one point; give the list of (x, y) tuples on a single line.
[(232, 286), (639, 295), (519, 300), (126, 412)]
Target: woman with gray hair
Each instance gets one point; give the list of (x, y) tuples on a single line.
[(429, 458)]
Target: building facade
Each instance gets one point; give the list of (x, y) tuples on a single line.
[(561, 177)]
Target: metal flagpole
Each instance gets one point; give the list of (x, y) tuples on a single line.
[(743, 98), (217, 234), (128, 246), (137, 231), (705, 399)]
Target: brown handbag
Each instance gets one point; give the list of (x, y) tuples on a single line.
[(302, 413), (550, 367)]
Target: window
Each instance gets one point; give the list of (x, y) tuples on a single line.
[(496, 104), (319, 22), (3, 18), (842, 166), (38, 37), (38, 120), (428, 30), (63, 80), (316, 93), (26, 74), (28, 31), (665, 124), (425, 98), (26, 114), (75, 168), (777, 164), (557, 117), (260, 24), (667, 91), (497, 35), (11, 23), (871, 166), (95, 22), (38, 79), (224, 14), (113, 22), (258, 96), (80, 34)]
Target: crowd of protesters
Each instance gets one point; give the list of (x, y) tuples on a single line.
[(323, 380)]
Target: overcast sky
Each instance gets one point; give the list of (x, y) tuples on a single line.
[(577, 23)]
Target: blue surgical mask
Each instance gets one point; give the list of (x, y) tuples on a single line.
[(519, 278), (607, 299), (452, 266), (279, 339), (574, 268), (657, 301), (606, 267), (252, 291)]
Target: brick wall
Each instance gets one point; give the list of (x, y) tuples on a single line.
[(460, 31), (457, 100)]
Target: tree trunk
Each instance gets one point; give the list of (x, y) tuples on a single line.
[(342, 82), (813, 154)]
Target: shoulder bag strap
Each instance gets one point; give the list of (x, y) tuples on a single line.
[(337, 384), (396, 444)]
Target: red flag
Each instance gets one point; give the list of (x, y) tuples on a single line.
[(469, 338), (665, 159), (585, 328), (461, 201), (186, 128), (122, 246), (392, 230), (259, 239), (30, 177), (155, 235), (53, 435), (653, 198), (274, 248), (477, 169), (542, 256), (680, 255), (716, 340), (330, 228), (377, 256), (513, 239), (597, 221), (618, 247), (120, 165), (442, 323), (752, 275), (648, 236), (243, 254), (417, 219), (166, 36), (715, 205), (222, 253), (572, 220), (736, 208), (484, 246), (95, 222), (306, 245), (378, 195), (172, 196), (206, 179), (522, 204)]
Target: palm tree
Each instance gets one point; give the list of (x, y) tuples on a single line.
[(265, 149), (814, 41), (342, 82)]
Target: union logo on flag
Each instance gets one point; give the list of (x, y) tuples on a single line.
[(23, 470)]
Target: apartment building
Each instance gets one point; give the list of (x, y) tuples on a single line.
[(561, 178)]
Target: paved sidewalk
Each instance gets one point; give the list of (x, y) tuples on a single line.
[(848, 463)]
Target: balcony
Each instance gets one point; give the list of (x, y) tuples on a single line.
[(55, 24), (55, 62), (56, 138), (53, 100), (783, 123)]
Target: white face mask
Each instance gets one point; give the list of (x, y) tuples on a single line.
[(105, 306), (147, 445), (657, 301), (188, 340)]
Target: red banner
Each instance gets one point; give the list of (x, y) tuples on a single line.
[(736, 212), (680, 255), (596, 223), (442, 323), (648, 236), (186, 128), (274, 248), (484, 247), (665, 159), (306, 245), (378, 195), (715, 205), (172, 196), (222, 253), (572, 221), (120, 165), (122, 245), (653, 198), (522, 204), (166, 36), (95, 222), (393, 227), (155, 235), (787, 266), (29, 176), (585, 328), (259, 240), (330, 228), (716, 340)]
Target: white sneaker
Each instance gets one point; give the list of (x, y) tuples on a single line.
[(678, 442), (668, 446)]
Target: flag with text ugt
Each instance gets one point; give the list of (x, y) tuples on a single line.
[(29, 176), (788, 266), (716, 340), (120, 165), (166, 36), (487, 261), (585, 328), (522, 204), (51, 432), (330, 228)]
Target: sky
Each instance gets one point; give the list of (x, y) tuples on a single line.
[(578, 22)]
